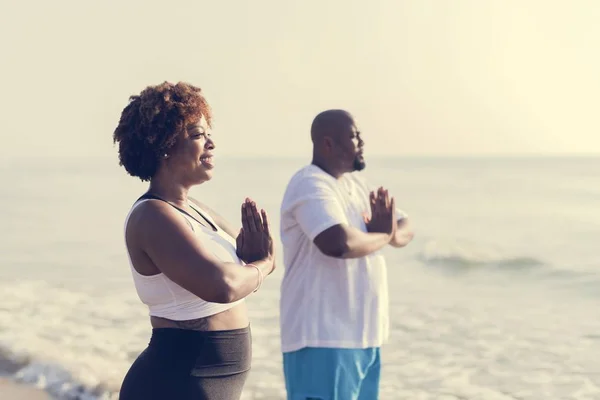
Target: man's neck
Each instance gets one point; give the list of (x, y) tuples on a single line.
[(327, 168)]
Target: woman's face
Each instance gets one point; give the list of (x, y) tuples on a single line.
[(191, 159)]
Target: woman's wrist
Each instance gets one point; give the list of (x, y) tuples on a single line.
[(263, 267), (267, 265), (261, 276)]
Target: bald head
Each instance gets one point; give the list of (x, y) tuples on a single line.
[(337, 143), (330, 123)]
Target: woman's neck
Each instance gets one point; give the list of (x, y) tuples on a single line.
[(169, 190)]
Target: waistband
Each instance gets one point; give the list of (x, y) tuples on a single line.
[(191, 339), (207, 353)]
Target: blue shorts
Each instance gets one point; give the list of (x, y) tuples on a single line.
[(332, 374)]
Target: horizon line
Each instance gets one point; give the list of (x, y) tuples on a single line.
[(298, 157)]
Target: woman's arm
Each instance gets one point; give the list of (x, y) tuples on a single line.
[(160, 232)]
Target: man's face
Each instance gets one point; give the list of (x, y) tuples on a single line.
[(349, 147)]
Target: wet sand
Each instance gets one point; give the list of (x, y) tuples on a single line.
[(9, 389)]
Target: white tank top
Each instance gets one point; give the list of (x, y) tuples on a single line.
[(167, 299)]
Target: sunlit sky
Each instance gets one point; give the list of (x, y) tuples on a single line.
[(422, 77)]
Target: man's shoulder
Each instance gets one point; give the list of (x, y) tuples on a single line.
[(307, 183), (309, 176)]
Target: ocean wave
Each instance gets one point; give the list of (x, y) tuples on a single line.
[(78, 344), (70, 343), (469, 254), (52, 378)]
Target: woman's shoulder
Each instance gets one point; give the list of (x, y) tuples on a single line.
[(150, 212)]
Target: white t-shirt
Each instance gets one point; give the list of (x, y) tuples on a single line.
[(326, 301)]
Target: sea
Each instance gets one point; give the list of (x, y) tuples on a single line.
[(496, 298)]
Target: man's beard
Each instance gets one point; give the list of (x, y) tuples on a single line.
[(359, 164)]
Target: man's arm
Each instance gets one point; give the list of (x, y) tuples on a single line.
[(404, 234), (343, 241), (322, 218)]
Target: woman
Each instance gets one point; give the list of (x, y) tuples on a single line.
[(186, 266)]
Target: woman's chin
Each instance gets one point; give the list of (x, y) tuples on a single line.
[(206, 175)]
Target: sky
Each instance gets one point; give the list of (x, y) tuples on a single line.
[(422, 77)]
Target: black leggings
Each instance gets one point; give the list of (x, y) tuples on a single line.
[(182, 364)]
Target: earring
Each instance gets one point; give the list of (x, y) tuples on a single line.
[(165, 155)]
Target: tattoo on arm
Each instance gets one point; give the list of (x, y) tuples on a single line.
[(199, 324)]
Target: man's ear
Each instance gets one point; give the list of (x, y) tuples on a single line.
[(328, 143)]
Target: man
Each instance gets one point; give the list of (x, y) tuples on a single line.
[(334, 295)]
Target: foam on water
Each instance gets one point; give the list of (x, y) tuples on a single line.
[(65, 340), (470, 254), (78, 345)]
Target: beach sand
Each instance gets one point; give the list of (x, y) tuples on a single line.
[(10, 390)]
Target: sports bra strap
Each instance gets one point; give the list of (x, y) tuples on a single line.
[(151, 196)]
